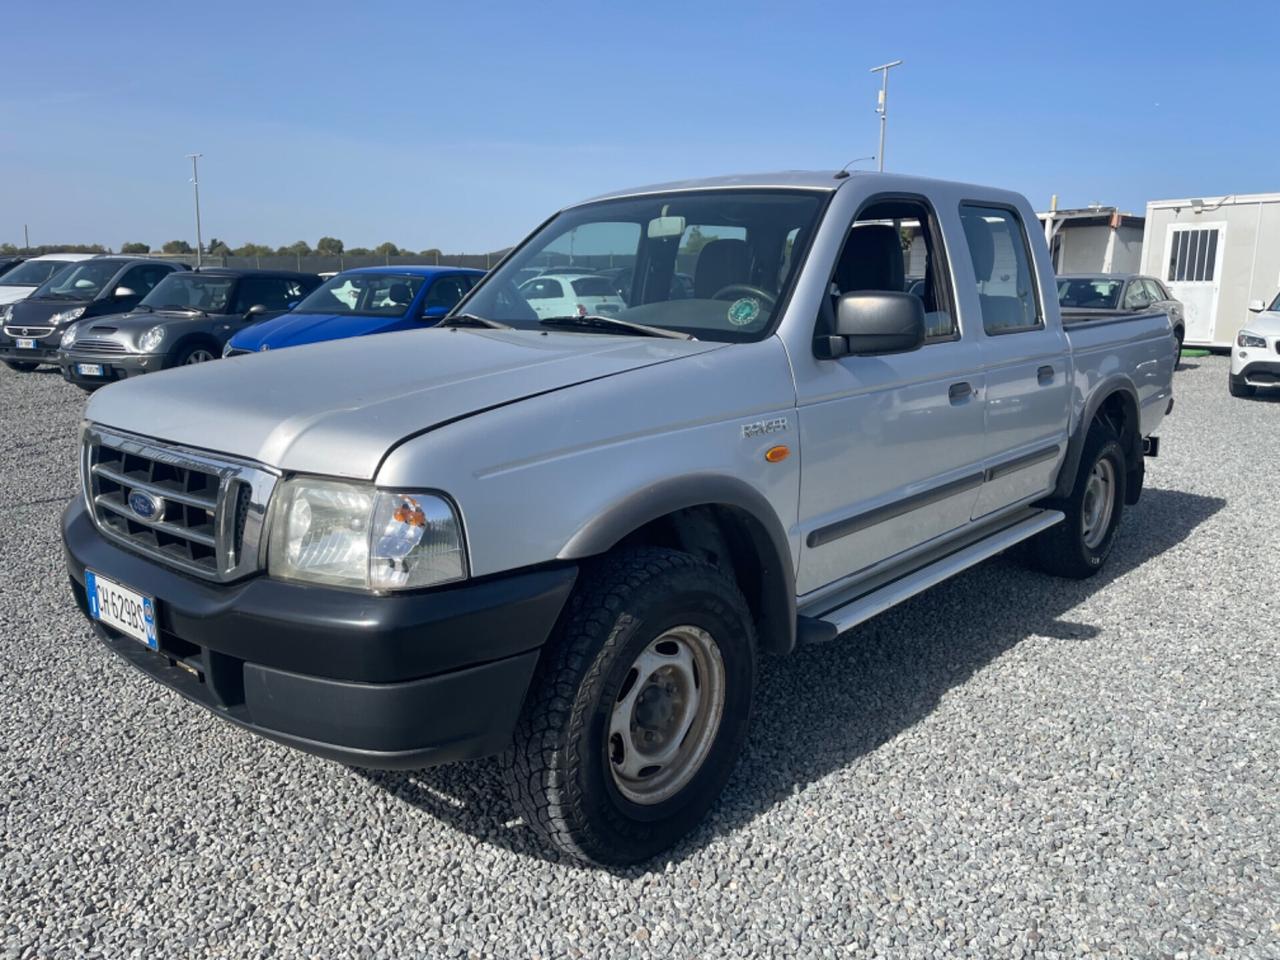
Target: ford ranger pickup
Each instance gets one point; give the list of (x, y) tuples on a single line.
[(566, 538)]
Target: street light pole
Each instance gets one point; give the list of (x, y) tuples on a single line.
[(195, 182), (882, 107)]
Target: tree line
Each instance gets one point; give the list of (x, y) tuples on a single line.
[(325, 246)]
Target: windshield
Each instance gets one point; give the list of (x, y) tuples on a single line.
[(364, 294), (32, 273), (191, 291), (79, 281), (1089, 294), (1275, 304), (714, 264)]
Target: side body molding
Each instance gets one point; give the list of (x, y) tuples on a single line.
[(769, 540)]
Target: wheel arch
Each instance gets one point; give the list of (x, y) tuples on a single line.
[(1114, 401), (721, 518), (191, 338)]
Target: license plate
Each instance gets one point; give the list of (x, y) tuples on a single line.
[(89, 369), (26, 344), (126, 610)]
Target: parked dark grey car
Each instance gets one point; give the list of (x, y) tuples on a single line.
[(1087, 295), (186, 319), (33, 328)]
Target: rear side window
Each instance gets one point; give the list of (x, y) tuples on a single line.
[(447, 291), (274, 293), (1001, 259), (542, 289), (593, 287), (1137, 297)]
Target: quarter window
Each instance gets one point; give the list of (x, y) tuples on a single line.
[(1001, 259)]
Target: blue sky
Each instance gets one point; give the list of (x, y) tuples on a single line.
[(463, 125)]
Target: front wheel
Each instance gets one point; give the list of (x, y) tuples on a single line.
[(1079, 545), (639, 709), (196, 353), (21, 366)]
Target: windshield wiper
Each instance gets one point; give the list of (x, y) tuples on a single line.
[(182, 308), (471, 320), (143, 306), (613, 323)]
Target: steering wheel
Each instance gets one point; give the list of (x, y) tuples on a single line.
[(738, 289)]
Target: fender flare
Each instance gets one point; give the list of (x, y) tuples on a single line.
[(1117, 383), (777, 625)]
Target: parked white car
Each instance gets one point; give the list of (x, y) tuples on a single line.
[(18, 283), (1255, 359), (571, 295)]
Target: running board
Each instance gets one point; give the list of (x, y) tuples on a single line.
[(835, 622)]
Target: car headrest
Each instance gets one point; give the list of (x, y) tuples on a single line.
[(400, 293), (982, 244), (720, 263), (872, 260)]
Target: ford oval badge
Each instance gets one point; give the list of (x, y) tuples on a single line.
[(145, 506)]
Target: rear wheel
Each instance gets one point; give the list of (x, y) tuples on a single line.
[(1178, 335), (1079, 546), (1239, 388), (639, 709), (22, 366)]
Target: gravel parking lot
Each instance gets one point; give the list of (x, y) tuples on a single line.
[(1006, 766)]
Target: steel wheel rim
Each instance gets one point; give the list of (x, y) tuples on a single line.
[(666, 715), (1099, 503), (199, 355)]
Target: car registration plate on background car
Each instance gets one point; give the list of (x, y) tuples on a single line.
[(89, 369), (24, 344), (126, 610)]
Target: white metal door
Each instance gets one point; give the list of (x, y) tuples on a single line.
[(1192, 269)]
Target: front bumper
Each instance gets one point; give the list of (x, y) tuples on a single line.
[(115, 366), (45, 350), (1257, 373), (399, 681)]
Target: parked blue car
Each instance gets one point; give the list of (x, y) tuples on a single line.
[(359, 302)]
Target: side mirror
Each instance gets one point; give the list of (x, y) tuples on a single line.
[(256, 310), (1257, 306), (434, 313), (874, 322), (122, 292)]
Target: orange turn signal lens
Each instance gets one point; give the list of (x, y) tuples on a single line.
[(777, 454)]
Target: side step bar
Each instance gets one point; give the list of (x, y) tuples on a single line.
[(863, 608)]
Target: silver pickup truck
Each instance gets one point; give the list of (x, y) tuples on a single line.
[(566, 535)]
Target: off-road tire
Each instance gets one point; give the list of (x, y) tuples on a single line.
[(1062, 549), (557, 769)]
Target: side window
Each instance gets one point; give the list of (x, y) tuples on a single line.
[(274, 293), (1136, 296), (1155, 291), (1001, 258), (894, 245), (142, 279), (446, 292)]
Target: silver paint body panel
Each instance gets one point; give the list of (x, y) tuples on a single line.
[(536, 436)]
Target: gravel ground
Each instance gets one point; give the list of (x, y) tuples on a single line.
[(1007, 766)]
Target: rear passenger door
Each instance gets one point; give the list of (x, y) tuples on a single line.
[(1026, 361), (892, 443)]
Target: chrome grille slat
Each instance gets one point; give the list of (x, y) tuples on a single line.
[(191, 500), (213, 508), (100, 345), (36, 332), (171, 529)]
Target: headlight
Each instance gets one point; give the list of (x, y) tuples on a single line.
[(151, 339), (353, 535), (69, 337), (66, 316), (6, 313), (1245, 339)]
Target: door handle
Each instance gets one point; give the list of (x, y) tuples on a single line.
[(960, 392), (1045, 375)]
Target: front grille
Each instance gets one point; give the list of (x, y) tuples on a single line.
[(203, 514), (25, 332), (99, 345)]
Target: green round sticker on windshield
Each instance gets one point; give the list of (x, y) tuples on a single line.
[(744, 311)]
